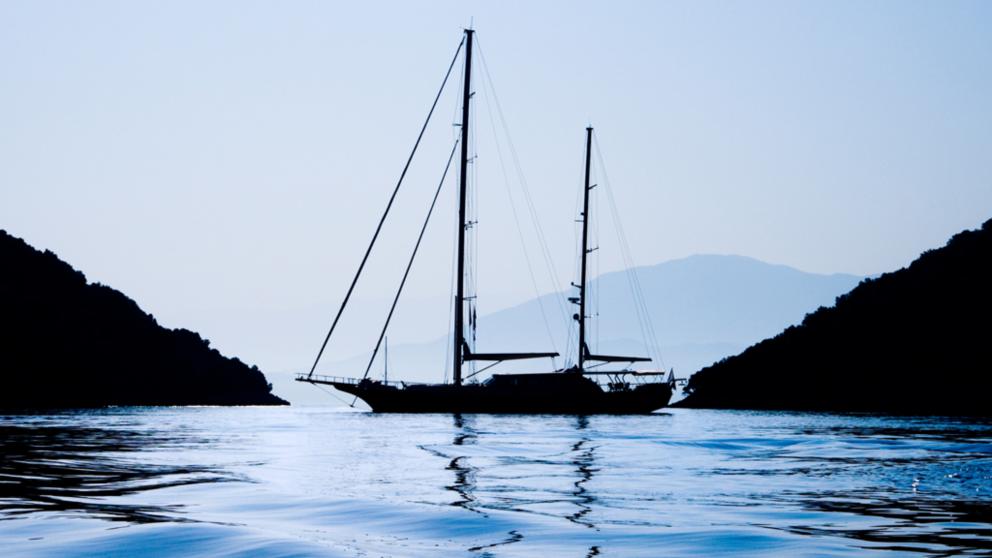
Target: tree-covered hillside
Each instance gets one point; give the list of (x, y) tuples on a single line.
[(67, 343), (917, 340)]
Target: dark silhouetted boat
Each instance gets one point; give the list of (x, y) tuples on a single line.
[(574, 390)]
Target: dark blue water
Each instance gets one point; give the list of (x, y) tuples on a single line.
[(312, 481)]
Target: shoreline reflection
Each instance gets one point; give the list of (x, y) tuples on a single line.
[(78, 469)]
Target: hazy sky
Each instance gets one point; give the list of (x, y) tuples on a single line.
[(209, 156)]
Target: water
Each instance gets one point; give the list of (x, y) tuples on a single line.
[(315, 481)]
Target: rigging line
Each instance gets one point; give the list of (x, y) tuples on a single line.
[(536, 221), (483, 369), (647, 316), (545, 252), (640, 301), (409, 264), (640, 306), (637, 295), (451, 302), (321, 388), (576, 265), (473, 306), (597, 296), (577, 246), (382, 220), (592, 321), (453, 281), (456, 109), (621, 237), (520, 234)]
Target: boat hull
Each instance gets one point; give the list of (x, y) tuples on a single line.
[(512, 393)]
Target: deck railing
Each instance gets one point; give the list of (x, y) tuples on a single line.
[(600, 378), (321, 379)]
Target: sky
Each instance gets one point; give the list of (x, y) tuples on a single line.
[(215, 158)]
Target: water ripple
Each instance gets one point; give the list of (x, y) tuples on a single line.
[(87, 470), (321, 482)]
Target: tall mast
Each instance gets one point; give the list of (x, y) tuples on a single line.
[(585, 252), (459, 337)]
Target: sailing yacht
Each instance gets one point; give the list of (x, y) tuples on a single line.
[(573, 390)]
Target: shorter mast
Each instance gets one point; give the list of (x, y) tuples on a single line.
[(584, 352), (583, 349)]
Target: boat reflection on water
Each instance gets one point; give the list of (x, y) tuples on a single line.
[(464, 484), (501, 494), (583, 457)]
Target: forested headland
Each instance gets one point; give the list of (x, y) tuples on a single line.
[(65, 343), (917, 341)]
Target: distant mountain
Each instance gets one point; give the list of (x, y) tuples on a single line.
[(67, 343), (703, 308), (917, 340)]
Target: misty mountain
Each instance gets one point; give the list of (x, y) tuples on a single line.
[(703, 308)]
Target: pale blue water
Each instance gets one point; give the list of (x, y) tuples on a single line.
[(313, 481)]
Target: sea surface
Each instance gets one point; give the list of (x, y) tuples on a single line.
[(322, 482)]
